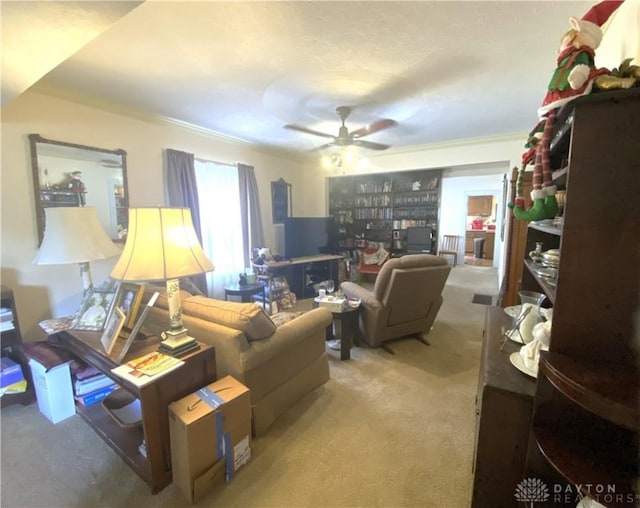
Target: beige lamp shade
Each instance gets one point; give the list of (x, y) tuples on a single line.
[(74, 235), (161, 245)]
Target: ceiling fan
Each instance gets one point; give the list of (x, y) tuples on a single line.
[(346, 138)]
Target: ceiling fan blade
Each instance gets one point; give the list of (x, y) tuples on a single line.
[(370, 144), (321, 147), (378, 125), (307, 130)]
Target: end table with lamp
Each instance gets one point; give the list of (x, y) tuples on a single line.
[(162, 245), (245, 292)]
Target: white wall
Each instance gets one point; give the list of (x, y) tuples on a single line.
[(43, 292)]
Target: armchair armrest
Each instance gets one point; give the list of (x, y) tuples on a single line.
[(353, 290)]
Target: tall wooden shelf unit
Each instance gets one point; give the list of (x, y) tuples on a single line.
[(380, 207), (586, 417), (10, 346)]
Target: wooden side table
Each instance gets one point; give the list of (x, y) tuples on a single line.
[(244, 292), (198, 371), (349, 331)]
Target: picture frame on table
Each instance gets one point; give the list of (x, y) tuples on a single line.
[(136, 329), (128, 299), (94, 310), (112, 330)]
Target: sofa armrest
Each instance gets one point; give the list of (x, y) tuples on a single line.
[(353, 290), (228, 343), (304, 327)]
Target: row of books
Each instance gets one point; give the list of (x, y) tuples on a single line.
[(11, 377), (92, 389), (6, 319)]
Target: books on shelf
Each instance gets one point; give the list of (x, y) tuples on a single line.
[(96, 396), (6, 326), (18, 387), (91, 384), (146, 368), (10, 372), (6, 314)]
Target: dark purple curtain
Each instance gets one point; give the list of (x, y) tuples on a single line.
[(181, 190), (252, 232)]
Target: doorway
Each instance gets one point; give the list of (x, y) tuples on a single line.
[(480, 238)]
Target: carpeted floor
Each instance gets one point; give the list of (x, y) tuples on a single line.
[(384, 431)]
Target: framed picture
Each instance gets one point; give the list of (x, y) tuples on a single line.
[(280, 201), (94, 310), (112, 330), (136, 328), (128, 299)]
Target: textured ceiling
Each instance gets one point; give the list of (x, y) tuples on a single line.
[(443, 70)]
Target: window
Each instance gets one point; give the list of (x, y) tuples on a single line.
[(220, 218)]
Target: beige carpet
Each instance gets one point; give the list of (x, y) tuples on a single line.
[(387, 431)]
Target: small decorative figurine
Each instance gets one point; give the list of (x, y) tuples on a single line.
[(573, 77)]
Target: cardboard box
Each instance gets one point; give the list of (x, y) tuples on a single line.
[(53, 390), (210, 434), (10, 372)]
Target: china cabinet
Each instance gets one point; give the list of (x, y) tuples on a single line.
[(585, 417)]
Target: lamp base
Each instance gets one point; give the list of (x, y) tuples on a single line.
[(177, 343)]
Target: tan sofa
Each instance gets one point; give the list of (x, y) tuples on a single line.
[(405, 299), (279, 364)]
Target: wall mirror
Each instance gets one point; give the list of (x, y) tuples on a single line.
[(66, 174), (280, 201)]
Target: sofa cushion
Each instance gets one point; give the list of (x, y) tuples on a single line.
[(248, 318), (284, 317)]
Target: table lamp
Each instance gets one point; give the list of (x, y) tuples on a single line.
[(75, 235), (162, 246)]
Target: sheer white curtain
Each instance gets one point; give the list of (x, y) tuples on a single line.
[(219, 197)]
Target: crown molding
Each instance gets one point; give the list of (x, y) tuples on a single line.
[(458, 143), (302, 157)]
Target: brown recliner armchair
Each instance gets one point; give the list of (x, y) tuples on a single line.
[(405, 300)]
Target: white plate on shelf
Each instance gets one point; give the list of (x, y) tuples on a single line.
[(513, 311), (518, 363), (514, 335), (543, 222)]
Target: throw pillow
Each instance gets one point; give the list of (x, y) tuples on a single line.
[(245, 317), (284, 317)]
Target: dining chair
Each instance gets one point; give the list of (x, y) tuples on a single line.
[(449, 247)]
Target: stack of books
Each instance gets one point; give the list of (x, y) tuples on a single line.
[(146, 368), (6, 319), (92, 389), (11, 377)]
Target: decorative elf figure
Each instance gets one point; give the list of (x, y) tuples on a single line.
[(572, 78)]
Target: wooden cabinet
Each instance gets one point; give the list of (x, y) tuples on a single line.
[(516, 242), (480, 205), (503, 407), (586, 417), (379, 208), (10, 340)]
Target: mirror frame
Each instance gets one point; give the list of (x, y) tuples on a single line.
[(39, 184)]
